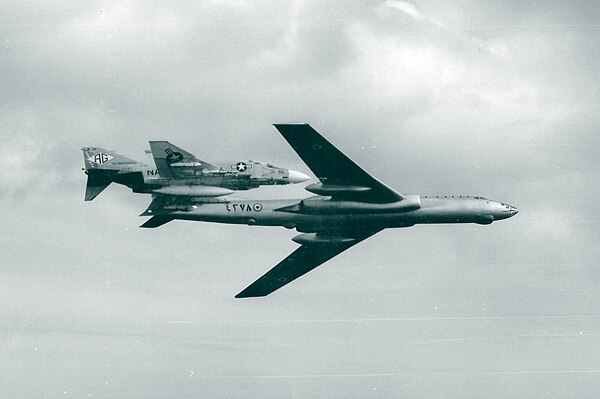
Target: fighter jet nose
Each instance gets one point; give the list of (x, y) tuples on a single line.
[(297, 177)]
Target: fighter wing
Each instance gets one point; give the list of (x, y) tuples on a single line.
[(333, 168), (167, 155), (298, 263)]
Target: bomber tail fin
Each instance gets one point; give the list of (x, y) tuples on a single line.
[(167, 155)]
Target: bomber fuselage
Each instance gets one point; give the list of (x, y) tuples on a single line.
[(291, 214)]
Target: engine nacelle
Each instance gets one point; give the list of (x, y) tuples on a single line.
[(319, 188), (321, 238), (324, 205)]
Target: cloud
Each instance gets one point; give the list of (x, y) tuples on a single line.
[(509, 113), (405, 6), (304, 47), (411, 10)]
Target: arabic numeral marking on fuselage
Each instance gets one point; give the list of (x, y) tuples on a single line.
[(243, 207)]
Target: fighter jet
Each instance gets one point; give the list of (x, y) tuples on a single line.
[(179, 178), (350, 206)]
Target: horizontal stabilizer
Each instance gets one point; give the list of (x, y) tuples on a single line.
[(96, 183), (156, 221)]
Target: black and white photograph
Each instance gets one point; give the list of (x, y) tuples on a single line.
[(299, 199)]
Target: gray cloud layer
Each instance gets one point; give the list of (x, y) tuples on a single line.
[(491, 98)]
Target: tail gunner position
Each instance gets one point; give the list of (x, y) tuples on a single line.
[(350, 206)]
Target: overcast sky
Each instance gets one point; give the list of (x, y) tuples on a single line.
[(498, 99)]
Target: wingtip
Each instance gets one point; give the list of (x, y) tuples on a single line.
[(248, 294), (241, 296)]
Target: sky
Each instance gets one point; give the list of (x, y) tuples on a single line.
[(498, 99)]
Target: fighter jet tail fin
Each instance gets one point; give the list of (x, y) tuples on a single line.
[(104, 167), (167, 156), (96, 158)]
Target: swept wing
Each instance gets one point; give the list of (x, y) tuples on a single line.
[(301, 261), (340, 178), (168, 156), (338, 174)]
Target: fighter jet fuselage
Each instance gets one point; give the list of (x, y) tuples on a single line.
[(179, 176)]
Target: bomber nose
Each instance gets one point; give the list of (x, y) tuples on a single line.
[(513, 211), (297, 177)]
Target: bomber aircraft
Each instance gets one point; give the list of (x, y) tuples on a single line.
[(178, 176), (350, 206)]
